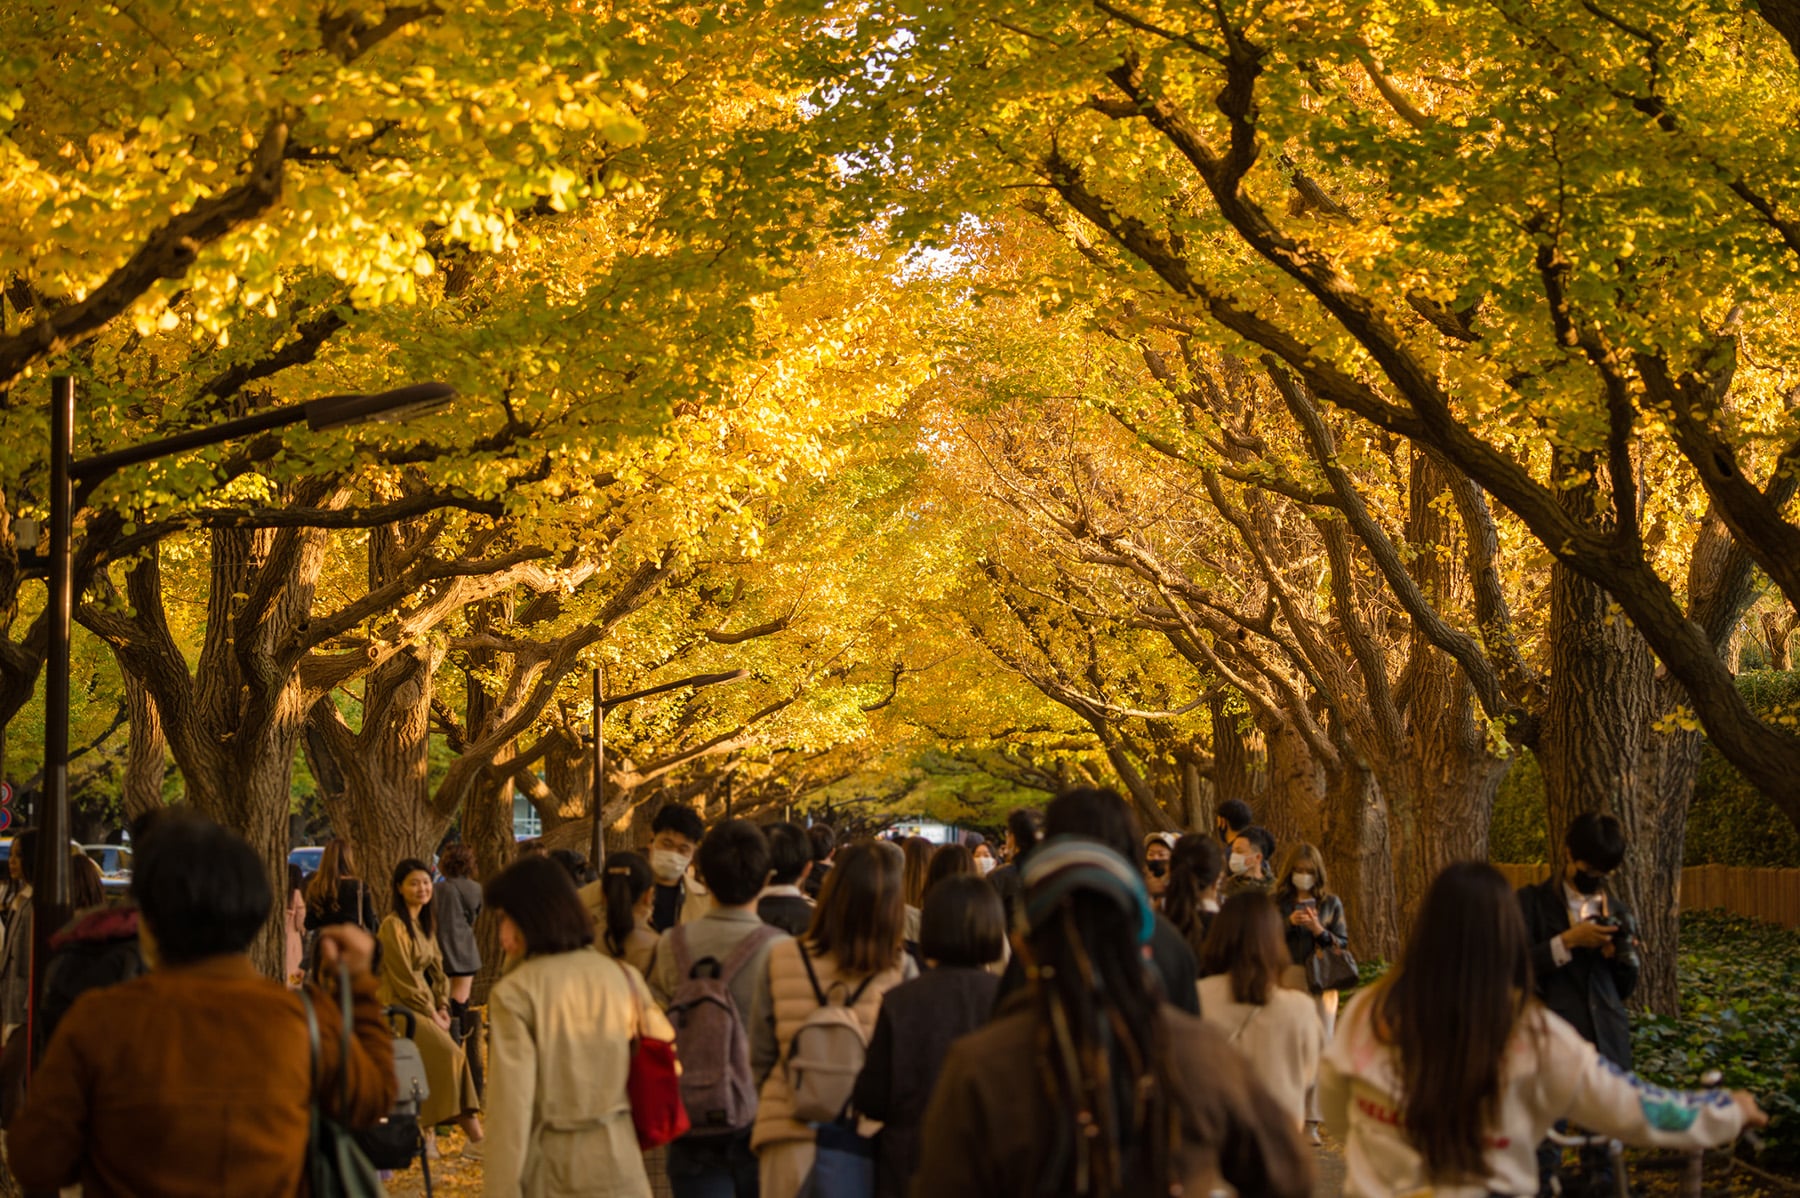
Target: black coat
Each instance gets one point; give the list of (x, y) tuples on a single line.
[(913, 1033), (789, 912), (1301, 943), (1170, 957), (1590, 991)]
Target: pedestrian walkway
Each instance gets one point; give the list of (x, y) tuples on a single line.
[(452, 1177)]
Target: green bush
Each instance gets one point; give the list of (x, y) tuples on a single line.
[(1738, 982), (1730, 821)]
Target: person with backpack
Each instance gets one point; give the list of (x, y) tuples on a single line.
[(563, 1020), (707, 974), (1090, 1082), (962, 934), (811, 1029), (1241, 994)]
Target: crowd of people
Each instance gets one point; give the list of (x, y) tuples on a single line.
[(1079, 1009)]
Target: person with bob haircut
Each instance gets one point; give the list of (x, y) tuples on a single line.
[(562, 1021), (197, 1078), (1091, 1082), (961, 934), (413, 977), (733, 862), (1241, 995), (1446, 1074), (852, 951)]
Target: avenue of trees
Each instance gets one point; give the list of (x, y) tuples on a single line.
[(1320, 406)]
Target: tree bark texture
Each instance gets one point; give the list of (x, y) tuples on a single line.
[(146, 751)]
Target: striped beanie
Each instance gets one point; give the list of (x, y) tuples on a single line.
[(1064, 864)]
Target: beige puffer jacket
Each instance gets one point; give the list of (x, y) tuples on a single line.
[(791, 1000)]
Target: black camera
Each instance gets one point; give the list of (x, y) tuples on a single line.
[(1624, 941)]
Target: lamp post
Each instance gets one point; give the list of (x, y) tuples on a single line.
[(597, 843), (51, 872)]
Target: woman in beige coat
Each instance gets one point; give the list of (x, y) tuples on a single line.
[(412, 976), (1241, 995), (855, 939), (559, 1047)]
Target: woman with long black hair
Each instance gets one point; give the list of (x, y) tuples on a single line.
[(1446, 1074), (1095, 1086), (413, 977)]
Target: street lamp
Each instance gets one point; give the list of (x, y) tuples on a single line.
[(51, 872), (597, 843)]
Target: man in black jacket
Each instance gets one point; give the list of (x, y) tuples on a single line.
[(1582, 950)]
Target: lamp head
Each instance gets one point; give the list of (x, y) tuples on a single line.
[(336, 411)]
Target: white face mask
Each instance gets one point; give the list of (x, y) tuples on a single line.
[(1304, 882), (1240, 864), (668, 865), (984, 865)]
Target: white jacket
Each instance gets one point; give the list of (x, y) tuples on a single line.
[(1282, 1039), (1551, 1073), (559, 1049)]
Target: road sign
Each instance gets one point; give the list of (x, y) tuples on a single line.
[(5, 819), (6, 796)]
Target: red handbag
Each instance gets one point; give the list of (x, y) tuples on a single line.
[(654, 1083)]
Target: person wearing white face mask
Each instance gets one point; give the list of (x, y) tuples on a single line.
[(1245, 867), (675, 833), (984, 859), (1315, 923)]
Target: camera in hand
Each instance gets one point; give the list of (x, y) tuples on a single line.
[(1624, 941)]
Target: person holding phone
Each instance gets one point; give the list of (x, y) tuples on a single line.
[(1313, 920), (1583, 952)]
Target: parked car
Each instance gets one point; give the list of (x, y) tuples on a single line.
[(307, 857), (114, 861)]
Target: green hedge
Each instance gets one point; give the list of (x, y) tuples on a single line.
[(1730, 822), (1739, 979)]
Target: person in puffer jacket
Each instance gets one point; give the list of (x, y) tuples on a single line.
[(1444, 1076)]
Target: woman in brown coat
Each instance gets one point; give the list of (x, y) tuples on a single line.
[(853, 949), (412, 976), (196, 1078), (1088, 1083)]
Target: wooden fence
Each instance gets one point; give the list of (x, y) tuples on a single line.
[(1771, 895)]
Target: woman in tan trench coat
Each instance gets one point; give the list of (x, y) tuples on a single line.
[(561, 1023), (412, 976)]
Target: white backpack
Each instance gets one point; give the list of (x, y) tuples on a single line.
[(827, 1051)]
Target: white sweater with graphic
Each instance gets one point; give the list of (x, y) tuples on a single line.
[(1551, 1073)]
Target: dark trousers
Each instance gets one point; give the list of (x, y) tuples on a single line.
[(713, 1167)]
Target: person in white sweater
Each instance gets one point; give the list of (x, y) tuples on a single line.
[(1444, 1076), (1241, 995)]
